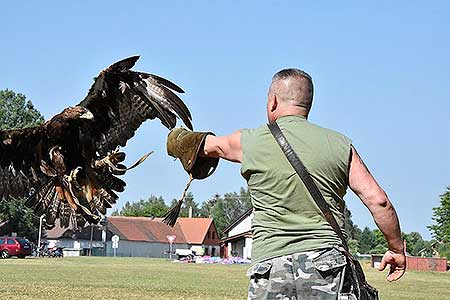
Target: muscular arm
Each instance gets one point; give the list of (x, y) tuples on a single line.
[(227, 147), (375, 199)]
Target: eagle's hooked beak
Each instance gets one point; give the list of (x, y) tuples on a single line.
[(52, 150), (87, 115)]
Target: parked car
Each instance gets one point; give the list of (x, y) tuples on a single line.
[(14, 246)]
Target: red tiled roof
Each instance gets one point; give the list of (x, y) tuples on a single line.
[(195, 229), (58, 232), (144, 229)]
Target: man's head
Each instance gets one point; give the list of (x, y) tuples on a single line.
[(290, 93)]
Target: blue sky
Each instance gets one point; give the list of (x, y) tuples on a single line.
[(381, 73)]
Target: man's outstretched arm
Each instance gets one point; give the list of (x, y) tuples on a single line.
[(227, 147), (375, 199)]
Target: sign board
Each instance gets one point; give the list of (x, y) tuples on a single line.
[(115, 241), (171, 238)]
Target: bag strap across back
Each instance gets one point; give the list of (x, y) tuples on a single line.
[(306, 179)]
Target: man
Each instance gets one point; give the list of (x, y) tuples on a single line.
[(295, 253)]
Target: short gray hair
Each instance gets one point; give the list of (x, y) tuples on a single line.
[(301, 89)]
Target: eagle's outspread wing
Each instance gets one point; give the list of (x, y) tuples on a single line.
[(21, 151), (121, 100), (67, 168)]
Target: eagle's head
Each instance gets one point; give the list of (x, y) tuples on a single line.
[(77, 112), (74, 113), (69, 117)]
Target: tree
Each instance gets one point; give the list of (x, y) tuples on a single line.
[(416, 245), (152, 207), (206, 210), (352, 230), (441, 216), (226, 209), (366, 241), (21, 219), (189, 202), (443, 249), (441, 229), (381, 245), (16, 112)]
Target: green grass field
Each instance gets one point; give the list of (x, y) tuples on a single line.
[(89, 278)]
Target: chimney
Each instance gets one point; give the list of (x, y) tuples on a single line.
[(190, 212)]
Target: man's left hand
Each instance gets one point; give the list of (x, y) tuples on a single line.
[(397, 262)]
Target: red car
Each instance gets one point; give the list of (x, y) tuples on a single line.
[(14, 246)]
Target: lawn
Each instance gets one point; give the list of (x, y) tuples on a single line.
[(89, 278)]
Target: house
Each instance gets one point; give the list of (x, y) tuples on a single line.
[(201, 233), (89, 238), (238, 237), (148, 237), (142, 236)]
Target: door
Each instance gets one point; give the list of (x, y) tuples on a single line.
[(12, 246)]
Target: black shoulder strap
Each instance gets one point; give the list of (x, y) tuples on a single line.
[(307, 179)]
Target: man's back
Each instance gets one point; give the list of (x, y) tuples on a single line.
[(286, 219)]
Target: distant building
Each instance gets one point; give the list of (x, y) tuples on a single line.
[(238, 237), (75, 239), (201, 232), (142, 236), (139, 236)]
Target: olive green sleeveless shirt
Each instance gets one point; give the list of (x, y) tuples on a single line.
[(286, 219)]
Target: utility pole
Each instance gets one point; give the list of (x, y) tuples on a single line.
[(41, 218), (90, 241)]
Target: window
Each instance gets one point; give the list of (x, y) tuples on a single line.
[(11, 242), (213, 235), (23, 241), (207, 235), (2, 241)]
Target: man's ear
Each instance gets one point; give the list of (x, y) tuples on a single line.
[(273, 103)]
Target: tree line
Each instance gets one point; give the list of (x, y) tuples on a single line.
[(223, 209)]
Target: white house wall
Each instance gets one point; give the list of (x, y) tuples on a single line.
[(74, 244), (142, 249), (248, 248), (243, 226)]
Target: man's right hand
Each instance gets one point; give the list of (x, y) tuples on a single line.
[(397, 262)]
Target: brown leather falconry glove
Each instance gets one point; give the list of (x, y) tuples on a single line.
[(187, 145)]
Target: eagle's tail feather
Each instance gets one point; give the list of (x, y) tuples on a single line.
[(170, 218)]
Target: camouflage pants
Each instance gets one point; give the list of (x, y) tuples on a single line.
[(306, 275)]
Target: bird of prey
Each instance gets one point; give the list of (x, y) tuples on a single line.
[(67, 167)]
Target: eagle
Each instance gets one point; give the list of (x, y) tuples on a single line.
[(68, 167)]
